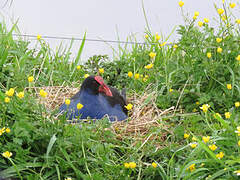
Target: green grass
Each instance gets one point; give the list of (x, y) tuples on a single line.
[(181, 76)]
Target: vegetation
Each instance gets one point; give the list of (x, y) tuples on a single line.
[(198, 75)]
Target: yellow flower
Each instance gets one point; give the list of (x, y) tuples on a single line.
[(239, 143), (193, 145), (30, 79), (136, 76), (154, 165), (223, 17), (194, 138), (219, 50), (205, 107), (170, 90), (232, 5), (79, 106), (146, 36), (10, 92), (42, 93), (227, 115), (152, 55), (191, 167), (209, 55), (206, 20), (129, 106), (196, 13), (39, 37), (158, 37), (67, 101), (7, 100), (132, 165), (186, 135), (200, 23), (181, 3), (238, 131), (213, 147), (220, 155), (149, 66), (197, 103), (78, 67), (130, 74), (68, 178), (238, 21), (220, 11), (8, 130), (101, 70), (2, 131), (194, 17), (86, 75), (238, 57), (219, 40), (229, 86), (126, 165), (163, 44), (237, 104), (20, 95), (7, 154), (205, 139), (237, 172), (175, 46)]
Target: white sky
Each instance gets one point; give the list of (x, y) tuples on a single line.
[(101, 19)]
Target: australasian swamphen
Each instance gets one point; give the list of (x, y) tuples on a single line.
[(98, 100)]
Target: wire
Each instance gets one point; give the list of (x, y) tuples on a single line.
[(86, 39)]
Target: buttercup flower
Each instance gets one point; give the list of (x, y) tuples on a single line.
[(101, 70), (158, 37), (206, 20), (10, 92), (79, 106), (136, 76), (126, 165), (6, 99), (193, 145), (239, 143), (20, 95), (227, 115), (205, 139), (129, 106), (42, 93), (232, 5), (238, 57), (209, 55), (200, 23), (86, 75), (170, 90), (132, 165), (219, 40), (39, 37), (219, 50), (237, 104), (149, 66), (78, 67), (229, 86), (30, 79), (196, 13), (186, 135), (8, 130), (194, 17), (238, 21), (175, 46), (67, 101), (205, 107), (220, 11), (220, 155), (146, 36), (154, 165), (238, 131), (130, 74), (7, 154), (191, 167), (181, 3), (2, 130), (213, 147), (152, 55)]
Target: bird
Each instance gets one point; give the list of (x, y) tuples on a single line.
[(98, 100)]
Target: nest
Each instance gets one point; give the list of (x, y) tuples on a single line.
[(144, 115)]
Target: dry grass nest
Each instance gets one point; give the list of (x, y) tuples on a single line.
[(143, 116)]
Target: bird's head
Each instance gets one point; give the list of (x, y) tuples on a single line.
[(96, 85)]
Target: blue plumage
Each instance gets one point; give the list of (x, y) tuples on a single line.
[(98, 100)]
